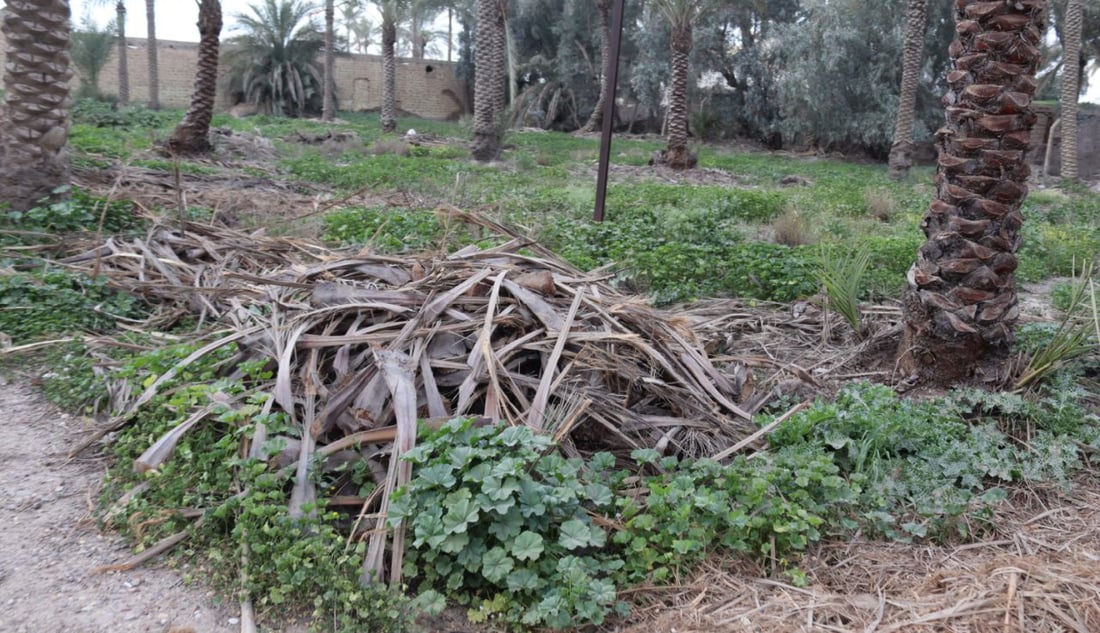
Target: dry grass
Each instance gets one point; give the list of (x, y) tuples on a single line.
[(880, 204), (1039, 573), (792, 229)]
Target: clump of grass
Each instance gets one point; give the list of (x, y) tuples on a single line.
[(390, 146), (791, 228), (880, 204), (1075, 334), (842, 279)]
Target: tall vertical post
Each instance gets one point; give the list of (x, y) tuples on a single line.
[(609, 110)]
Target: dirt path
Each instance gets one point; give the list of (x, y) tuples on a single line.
[(49, 541)]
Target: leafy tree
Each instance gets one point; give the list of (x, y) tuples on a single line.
[(272, 62), (901, 152), (34, 123), (961, 306), (490, 91), (839, 39), (192, 135), (91, 48)]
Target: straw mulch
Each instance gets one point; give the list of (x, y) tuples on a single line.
[(1038, 573)]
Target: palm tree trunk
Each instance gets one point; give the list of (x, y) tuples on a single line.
[(1071, 87), (328, 108), (123, 68), (603, 8), (961, 306), (677, 155), (192, 135), (34, 124), (901, 153), (389, 75), (489, 79), (151, 45)]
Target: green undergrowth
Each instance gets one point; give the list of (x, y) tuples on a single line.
[(499, 523), (50, 302)]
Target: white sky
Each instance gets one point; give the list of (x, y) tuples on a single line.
[(176, 21)]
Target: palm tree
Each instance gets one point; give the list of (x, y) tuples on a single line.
[(421, 14), (1071, 86), (490, 91), (328, 110), (192, 135), (603, 10), (34, 124), (961, 306), (272, 62), (123, 68), (91, 49), (681, 16), (151, 47), (901, 153), (392, 11)]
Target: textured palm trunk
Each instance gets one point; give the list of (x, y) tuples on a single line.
[(328, 107), (34, 125), (192, 135), (901, 153), (489, 79), (151, 46), (389, 76), (677, 155), (961, 305), (123, 68), (1071, 87), (603, 9)]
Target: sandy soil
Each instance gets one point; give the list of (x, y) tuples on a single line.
[(49, 542)]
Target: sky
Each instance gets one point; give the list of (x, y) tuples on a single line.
[(176, 21)]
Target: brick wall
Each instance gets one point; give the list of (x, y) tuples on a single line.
[(426, 88)]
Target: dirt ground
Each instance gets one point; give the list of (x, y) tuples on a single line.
[(49, 542)]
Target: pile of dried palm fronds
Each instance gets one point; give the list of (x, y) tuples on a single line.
[(362, 346)]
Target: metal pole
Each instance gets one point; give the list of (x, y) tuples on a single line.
[(609, 109)]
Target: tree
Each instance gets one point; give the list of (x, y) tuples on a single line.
[(901, 152), (490, 91), (34, 124), (681, 16), (151, 47), (123, 68), (328, 110), (392, 11), (271, 63), (91, 48), (961, 305), (192, 135), (1071, 87), (603, 10)]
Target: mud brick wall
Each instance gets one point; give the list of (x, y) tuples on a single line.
[(425, 88)]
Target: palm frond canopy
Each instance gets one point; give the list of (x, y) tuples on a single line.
[(272, 61)]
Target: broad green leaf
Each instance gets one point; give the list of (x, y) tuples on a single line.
[(527, 546), (496, 564), (574, 534), (522, 580)]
